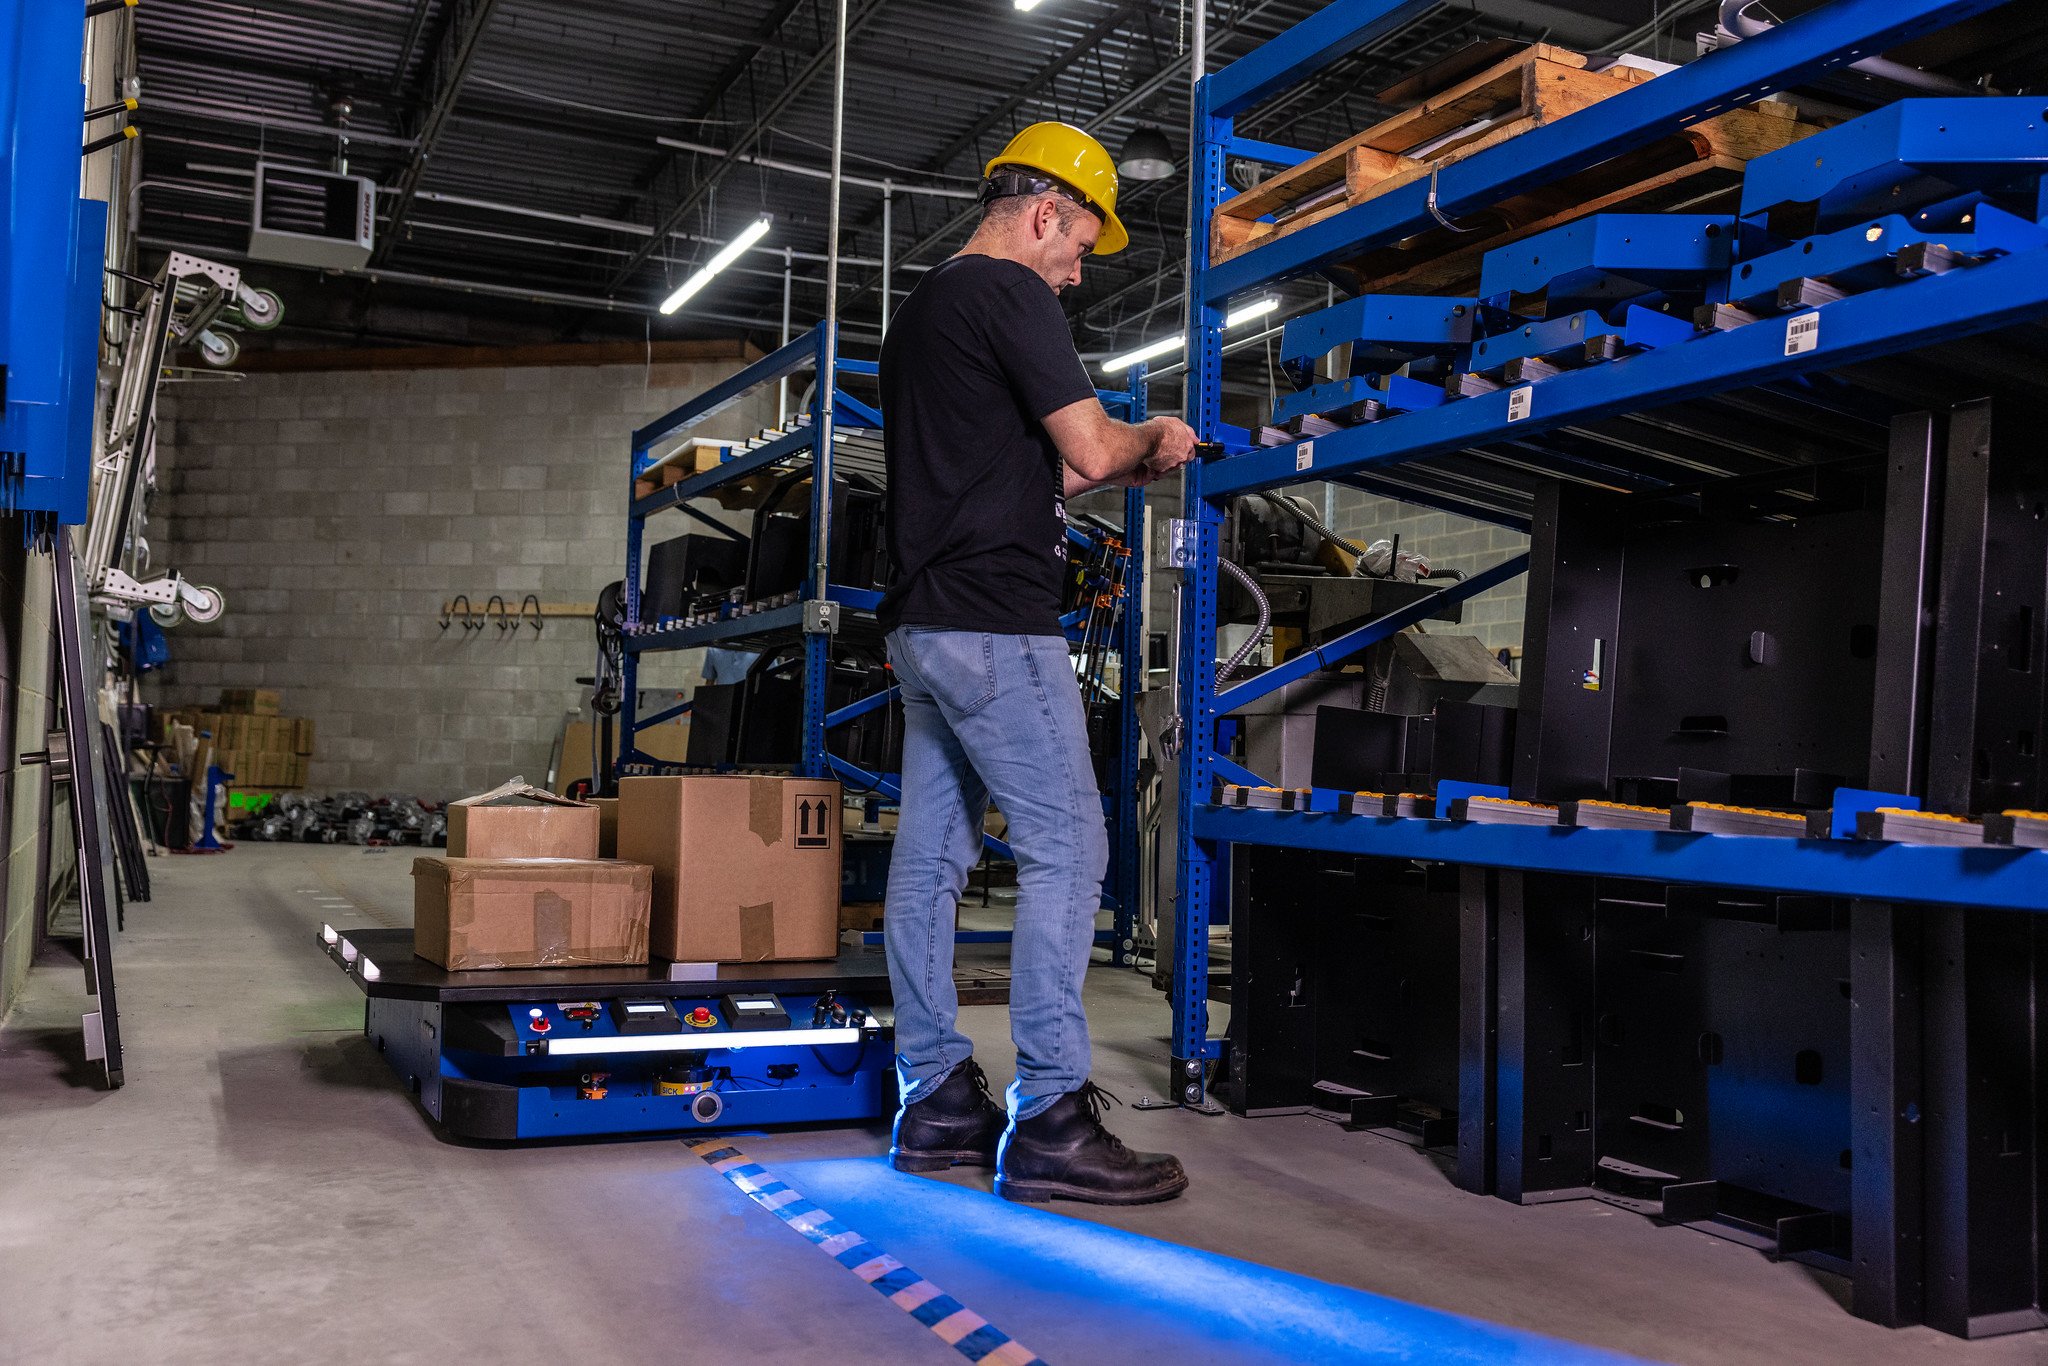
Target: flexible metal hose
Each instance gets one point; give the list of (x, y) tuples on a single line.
[(1251, 642)]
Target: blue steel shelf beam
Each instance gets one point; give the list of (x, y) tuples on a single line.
[(2014, 879), (1903, 317)]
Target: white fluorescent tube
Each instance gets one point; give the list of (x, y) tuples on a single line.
[(727, 254), (1170, 344), (1027, 4)]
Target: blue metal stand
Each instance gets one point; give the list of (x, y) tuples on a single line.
[(1653, 361), (784, 623)]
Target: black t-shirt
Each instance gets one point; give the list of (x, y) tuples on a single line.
[(976, 357)]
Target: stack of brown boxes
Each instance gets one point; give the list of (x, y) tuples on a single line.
[(523, 887), (246, 736)]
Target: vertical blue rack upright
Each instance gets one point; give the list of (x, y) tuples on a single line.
[(855, 606)]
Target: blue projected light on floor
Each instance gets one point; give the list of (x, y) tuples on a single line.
[(1033, 1269)]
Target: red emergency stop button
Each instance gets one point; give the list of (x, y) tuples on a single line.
[(540, 1025), (701, 1018)]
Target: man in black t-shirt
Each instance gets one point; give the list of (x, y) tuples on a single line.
[(990, 423)]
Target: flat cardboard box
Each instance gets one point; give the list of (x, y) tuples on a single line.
[(746, 868), (607, 826), (302, 735), (257, 701), (471, 914), (520, 821)]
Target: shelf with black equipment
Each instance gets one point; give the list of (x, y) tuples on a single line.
[(817, 699), (1784, 578)]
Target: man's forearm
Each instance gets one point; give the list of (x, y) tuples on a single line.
[(1122, 448)]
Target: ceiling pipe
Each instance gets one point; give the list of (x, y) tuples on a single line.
[(814, 172), (1735, 23), (452, 284)]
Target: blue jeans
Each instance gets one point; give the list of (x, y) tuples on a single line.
[(993, 716)]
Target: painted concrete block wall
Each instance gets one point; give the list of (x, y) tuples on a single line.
[(338, 510), (1447, 542), (25, 713)]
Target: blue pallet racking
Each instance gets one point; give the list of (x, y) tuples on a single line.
[(1911, 314), (821, 610)]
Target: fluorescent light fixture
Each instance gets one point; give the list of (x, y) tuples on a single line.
[(1167, 345), (1250, 311), (727, 254), (1027, 4)]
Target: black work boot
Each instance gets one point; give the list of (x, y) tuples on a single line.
[(957, 1124), (1064, 1153)]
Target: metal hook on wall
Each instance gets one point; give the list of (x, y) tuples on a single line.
[(504, 612), (533, 600), (448, 612)]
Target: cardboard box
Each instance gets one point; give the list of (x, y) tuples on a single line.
[(746, 869), (302, 735), (470, 914), (258, 701), (521, 821), (607, 826)]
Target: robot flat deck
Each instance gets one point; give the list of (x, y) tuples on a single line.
[(401, 974)]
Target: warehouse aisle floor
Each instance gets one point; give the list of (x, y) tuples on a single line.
[(263, 1190)]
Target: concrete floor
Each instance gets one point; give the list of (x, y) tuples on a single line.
[(262, 1190)]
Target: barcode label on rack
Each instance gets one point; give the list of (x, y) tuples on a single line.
[(1802, 334), (1521, 402), (1304, 456)]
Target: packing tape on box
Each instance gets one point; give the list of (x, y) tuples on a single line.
[(764, 808), (757, 933), (967, 1332)]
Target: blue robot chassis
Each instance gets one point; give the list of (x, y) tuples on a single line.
[(549, 1053)]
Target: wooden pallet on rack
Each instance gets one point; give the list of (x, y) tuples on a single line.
[(1531, 88)]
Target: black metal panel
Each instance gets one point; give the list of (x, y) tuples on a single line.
[(1991, 658), (1722, 1054), (1478, 1025), (1983, 971), (1574, 600), (1906, 614), (1749, 647), (1344, 991), (1544, 1105), (1886, 1107)]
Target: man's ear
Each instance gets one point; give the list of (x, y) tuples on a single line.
[(1045, 219)]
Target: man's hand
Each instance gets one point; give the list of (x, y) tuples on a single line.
[(1173, 446)]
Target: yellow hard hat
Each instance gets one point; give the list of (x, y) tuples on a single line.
[(1077, 161)]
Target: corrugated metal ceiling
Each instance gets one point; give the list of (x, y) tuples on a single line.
[(547, 174)]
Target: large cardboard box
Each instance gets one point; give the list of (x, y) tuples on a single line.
[(518, 821), (746, 868), (470, 914), (302, 735)]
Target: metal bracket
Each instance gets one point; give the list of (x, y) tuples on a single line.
[(821, 617), (1181, 541)]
